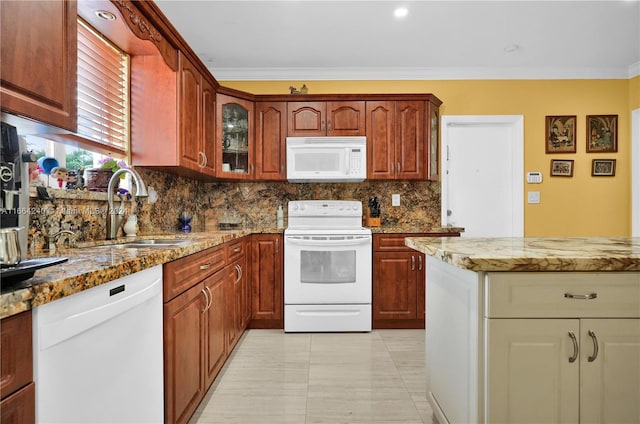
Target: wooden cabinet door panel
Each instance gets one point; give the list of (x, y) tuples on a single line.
[(208, 142), (530, 377), (271, 133), (39, 58), (395, 286), (20, 407), (610, 381), (345, 118), (380, 140), (17, 353), (190, 109), (183, 347), (410, 140), (306, 119), (215, 347), (232, 296), (267, 280)]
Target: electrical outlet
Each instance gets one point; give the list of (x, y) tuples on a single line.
[(395, 200)]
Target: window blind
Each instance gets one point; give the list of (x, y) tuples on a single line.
[(103, 91)]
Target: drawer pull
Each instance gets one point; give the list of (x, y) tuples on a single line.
[(205, 266), (588, 296), (575, 347), (236, 250), (595, 346)]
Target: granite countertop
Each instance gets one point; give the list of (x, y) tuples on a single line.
[(533, 253), (92, 264), (391, 229)]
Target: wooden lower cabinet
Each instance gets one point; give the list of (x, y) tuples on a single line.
[(398, 282), (184, 345), (267, 281), (215, 327), (17, 389)]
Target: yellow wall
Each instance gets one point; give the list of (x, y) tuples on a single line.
[(578, 206)]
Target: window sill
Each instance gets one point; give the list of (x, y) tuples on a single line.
[(57, 193)]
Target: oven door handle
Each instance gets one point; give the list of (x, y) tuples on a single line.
[(350, 242)]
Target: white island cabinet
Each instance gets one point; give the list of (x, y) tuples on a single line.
[(533, 330)]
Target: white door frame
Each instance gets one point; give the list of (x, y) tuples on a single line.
[(635, 173), (516, 123)]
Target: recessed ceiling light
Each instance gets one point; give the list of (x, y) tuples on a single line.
[(106, 15), (401, 12), (511, 48)]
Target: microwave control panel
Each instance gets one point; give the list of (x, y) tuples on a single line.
[(356, 160)]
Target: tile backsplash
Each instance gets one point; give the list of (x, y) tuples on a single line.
[(253, 204)]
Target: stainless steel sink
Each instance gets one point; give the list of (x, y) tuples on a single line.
[(147, 243)]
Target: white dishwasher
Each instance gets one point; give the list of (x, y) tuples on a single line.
[(98, 354)]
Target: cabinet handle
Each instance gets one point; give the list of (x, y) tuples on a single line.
[(277, 245), (203, 162), (328, 126), (595, 346), (575, 347), (587, 296), (413, 263), (210, 297), (419, 263), (206, 300), (398, 168), (205, 266), (392, 171), (238, 272), (237, 249)]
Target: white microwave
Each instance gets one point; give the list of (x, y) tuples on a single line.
[(326, 159)]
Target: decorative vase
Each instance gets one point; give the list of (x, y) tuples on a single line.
[(97, 179)]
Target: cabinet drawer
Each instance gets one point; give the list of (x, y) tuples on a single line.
[(395, 242), (235, 249), (562, 295), (183, 273)]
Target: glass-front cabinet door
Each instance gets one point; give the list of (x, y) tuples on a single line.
[(235, 137)]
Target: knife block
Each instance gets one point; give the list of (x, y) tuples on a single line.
[(371, 221)]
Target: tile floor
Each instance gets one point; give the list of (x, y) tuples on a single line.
[(304, 378)]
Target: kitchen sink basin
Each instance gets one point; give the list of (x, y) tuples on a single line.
[(147, 243)]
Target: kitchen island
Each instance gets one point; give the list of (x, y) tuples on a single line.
[(542, 330)]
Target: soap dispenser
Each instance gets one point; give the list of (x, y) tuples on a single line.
[(280, 216), (131, 226)]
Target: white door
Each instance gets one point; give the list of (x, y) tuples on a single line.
[(610, 371), (482, 168)]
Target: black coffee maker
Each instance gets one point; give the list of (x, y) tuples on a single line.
[(14, 181)]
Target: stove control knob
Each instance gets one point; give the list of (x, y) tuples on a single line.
[(294, 207)]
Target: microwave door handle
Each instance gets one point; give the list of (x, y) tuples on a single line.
[(347, 161), (323, 243)]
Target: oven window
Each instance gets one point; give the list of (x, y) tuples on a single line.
[(327, 266)]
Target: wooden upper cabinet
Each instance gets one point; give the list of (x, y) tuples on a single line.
[(38, 53), (411, 158), (433, 113), (234, 124), (173, 117), (396, 140), (332, 118), (271, 133), (345, 118), (380, 140)]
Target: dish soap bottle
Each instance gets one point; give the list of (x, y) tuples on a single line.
[(131, 226), (280, 217)]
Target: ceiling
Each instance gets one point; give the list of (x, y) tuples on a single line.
[(363, 40)]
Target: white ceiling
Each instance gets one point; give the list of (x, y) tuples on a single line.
[(329, 39)]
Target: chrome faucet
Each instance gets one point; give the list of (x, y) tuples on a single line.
[(114, 218), (52, 238)]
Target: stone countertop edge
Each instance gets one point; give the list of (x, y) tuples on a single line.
[(92, 264), (534, 254), (399, 229)]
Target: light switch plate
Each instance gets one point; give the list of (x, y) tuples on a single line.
[(395, 200), (533, 196)]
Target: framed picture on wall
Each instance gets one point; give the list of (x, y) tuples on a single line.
[(602, 133), (561, 168), (603, 168), (560, 133)]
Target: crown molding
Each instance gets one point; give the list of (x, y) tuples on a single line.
[(393, 73)]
